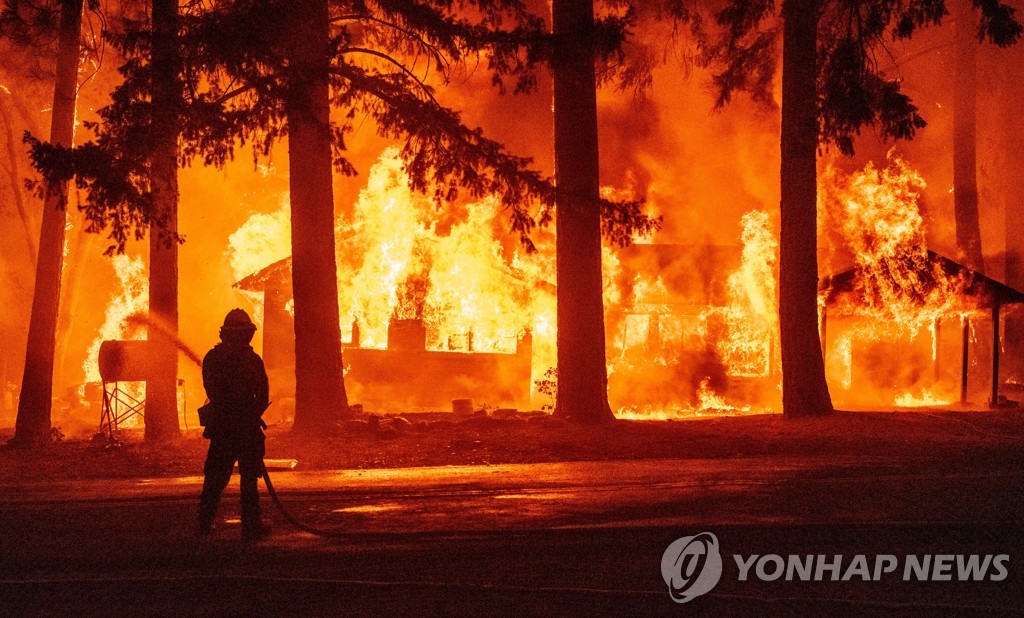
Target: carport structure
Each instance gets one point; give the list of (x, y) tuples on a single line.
[(979, 294)]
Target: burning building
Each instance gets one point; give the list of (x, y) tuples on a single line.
[(969, 300), (686, 329), (406, 373), (442, 307), (673, 343), (904, 326), (434, 310)]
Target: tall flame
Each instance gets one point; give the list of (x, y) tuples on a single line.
[(121, 323), (752, 313), (880, 223), (899, 292), (262, 240), (400, 257), (131, 298)]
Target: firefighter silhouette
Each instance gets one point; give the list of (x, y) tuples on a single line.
[(236, 386)]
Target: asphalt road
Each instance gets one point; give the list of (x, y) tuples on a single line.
[(570, 538)]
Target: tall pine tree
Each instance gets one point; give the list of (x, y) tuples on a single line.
[(582, 374), (161, 389), (32, 427)]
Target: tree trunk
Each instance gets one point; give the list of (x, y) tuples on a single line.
[(78, 263), (582, 372), (804, 390), (161, 389), (33, 423), (15, 179), (320, 398), (965, 139)]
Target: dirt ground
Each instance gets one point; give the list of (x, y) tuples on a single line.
[(441, 439)]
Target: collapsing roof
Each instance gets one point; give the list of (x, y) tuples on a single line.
[(926, 279), (256, 282), (984, 291)]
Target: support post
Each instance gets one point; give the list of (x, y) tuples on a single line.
[(824, 331), (994, 402), (963, 363), (937, 359)]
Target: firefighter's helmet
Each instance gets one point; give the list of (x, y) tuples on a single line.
[(238, 320)]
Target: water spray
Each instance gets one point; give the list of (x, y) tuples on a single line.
[(142, 319)]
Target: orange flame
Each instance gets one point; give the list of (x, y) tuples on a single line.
[(131, 298), (898, 293)]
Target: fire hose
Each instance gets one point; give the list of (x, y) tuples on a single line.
[(294, 521), (291, 518)]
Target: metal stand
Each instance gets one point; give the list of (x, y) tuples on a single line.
[(118, 406)]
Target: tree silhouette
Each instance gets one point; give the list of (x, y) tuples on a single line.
[(968, 33), (320, 394), (161, 388), (582, 373)]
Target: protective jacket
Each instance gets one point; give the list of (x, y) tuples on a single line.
[(236, 384)]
